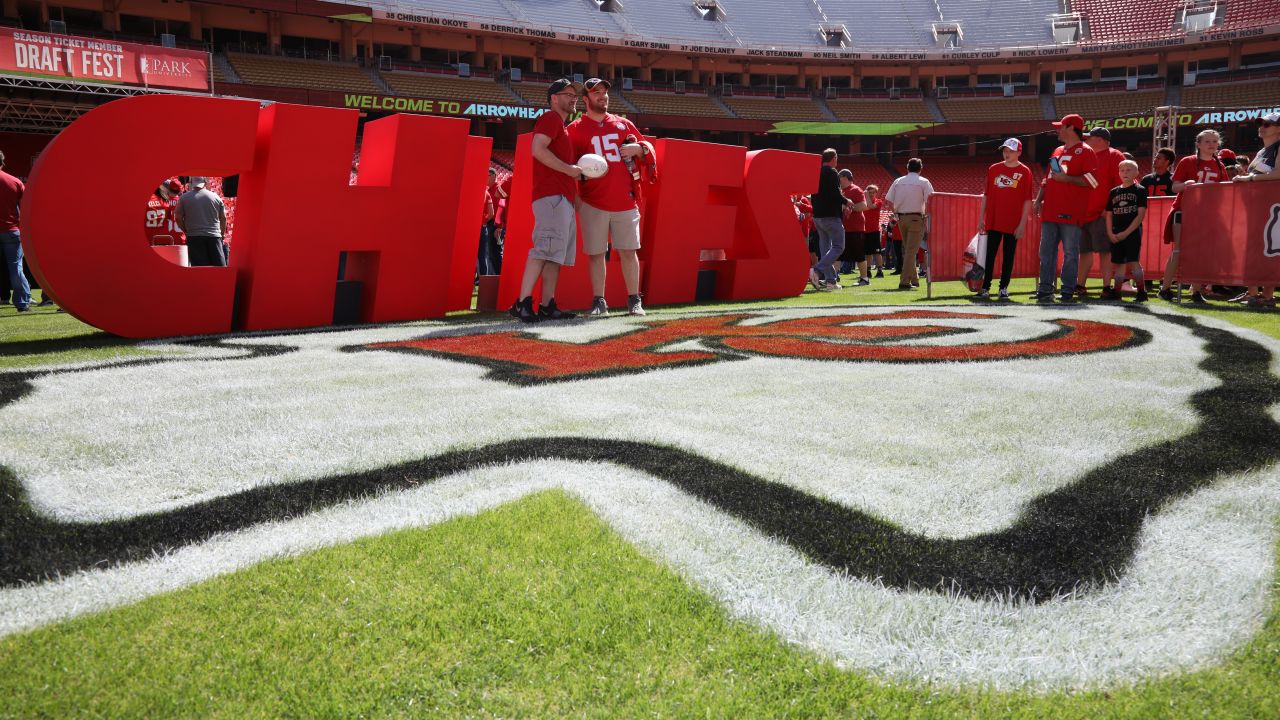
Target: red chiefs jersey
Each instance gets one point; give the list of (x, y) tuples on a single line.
[(1108, 176), (853, 220), (1008, 189), (805, 214), (160, 225), (1063, 202), (613, 191), (871, 218), (1192, 167)]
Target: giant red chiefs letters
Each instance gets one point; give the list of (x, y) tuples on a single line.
[(409, 226)]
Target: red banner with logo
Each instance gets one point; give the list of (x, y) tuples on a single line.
[(67, 57), (1231, 234)]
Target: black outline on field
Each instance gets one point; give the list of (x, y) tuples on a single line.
[(1078, 537)]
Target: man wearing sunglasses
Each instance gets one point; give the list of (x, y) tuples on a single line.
[(1263, 167), (610, 209), (555, 191)]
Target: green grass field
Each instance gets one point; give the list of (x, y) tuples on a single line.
[(534, 609)]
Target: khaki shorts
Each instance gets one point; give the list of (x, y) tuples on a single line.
[(1093, 236), (599, 225), (555, 230)]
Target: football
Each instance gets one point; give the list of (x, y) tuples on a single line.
[(593, 166)]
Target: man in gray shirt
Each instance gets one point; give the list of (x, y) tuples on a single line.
[(203, 217)]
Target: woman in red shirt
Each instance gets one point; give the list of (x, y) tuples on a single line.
[(871, 234), (1203, 167)]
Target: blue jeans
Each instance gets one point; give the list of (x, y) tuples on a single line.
[(11, 243), (1051, 234), (830, 245)]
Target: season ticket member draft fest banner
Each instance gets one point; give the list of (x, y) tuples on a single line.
[(66, 57)]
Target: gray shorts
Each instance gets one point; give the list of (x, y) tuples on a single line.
[(555, 230), (599, 225), (1093, 237)]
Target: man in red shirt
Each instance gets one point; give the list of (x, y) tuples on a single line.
[(11, 190), (1063, 205), (555, 190), (854, 253), (1006, 202), (161, 228), (610, 208), (1093, 234)]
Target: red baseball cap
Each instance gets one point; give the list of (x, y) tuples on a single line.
[(173, 184), (1225, 154), (1074, 121)]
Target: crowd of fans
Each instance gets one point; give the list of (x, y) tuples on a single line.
[(1091, 202)]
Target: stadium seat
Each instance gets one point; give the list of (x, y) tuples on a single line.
[(967, 110), (1112, 20), (1230, 96), (1100, 106), (657, 103), (794, 109), (312, 74), (883, 111), (415, 84)]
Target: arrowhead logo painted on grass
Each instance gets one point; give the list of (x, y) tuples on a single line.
[(524, 358), (1091, 488)]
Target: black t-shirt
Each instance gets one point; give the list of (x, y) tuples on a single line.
[(828, 202), (1123, 204), (1158, 185)]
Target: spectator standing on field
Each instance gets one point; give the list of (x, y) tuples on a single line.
[(828, 209), (1006, 203), (908, 198), (1094, 233), (1063, 205), (1265, 167), (854, 252), (1203, 167), (1125, 211), (203, 217), (555, 192), (11, 190)]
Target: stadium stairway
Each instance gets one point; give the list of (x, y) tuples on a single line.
[(377, 80), (932, 104), (825, 109), (626, 104), (1047, 104), (224, 66), (715, 98)]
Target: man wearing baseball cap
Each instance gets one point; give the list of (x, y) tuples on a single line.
[(1093, 233), (203, 217), (555, 190), (1263, 167), (1063, 205), (1006, 202), (610, 208)]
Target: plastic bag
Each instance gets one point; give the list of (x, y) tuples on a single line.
[(975, 257)]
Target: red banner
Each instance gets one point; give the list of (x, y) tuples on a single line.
[(67, 57), (954, 219), (1231, 234)]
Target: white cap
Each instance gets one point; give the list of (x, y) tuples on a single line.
[(199, 181), (1271, 117), (1013, 144)]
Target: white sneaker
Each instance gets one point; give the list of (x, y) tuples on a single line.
[(1004, 293), (984, 294), (599, 308), (634, 306)]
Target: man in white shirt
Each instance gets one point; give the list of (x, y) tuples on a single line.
[(908, 198)]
